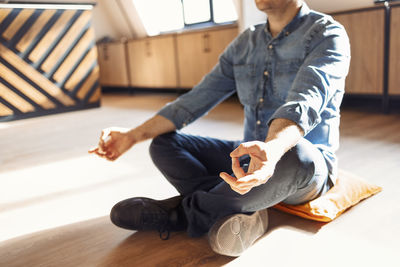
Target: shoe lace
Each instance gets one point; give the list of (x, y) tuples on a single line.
[(158, 221), (164, 232)]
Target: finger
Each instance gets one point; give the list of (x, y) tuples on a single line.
[(245, 188), (237, 170), (104, 139), (227, 178), (93, 150), (231, 181), (245, 181), (250, 148), (108, 142), (108, 138), (241, 150), (111, 158), (112, 155), (101, 142), (257, 177), (247, 185), (245, 149), (239, 188), (241, 191), (101, 155)]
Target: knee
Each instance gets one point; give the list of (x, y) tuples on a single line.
[(302, 160), (162, 143)]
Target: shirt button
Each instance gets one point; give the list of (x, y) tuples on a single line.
[(270, 46), (287, 33), (261, 100), (258, 122), (266, 73)]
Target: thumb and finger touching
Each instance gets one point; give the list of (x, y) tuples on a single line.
[(257, 173)]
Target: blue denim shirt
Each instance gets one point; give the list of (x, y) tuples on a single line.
[(298, 75)]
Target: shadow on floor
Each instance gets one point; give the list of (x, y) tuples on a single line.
[(279, 219), (147, 249), (97, 242)]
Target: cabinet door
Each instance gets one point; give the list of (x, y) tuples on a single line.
[(366, 33), (152, 62), (394, 61), (113, 66), (199, 52)]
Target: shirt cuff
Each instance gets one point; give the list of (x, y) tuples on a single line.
[(178, 115), (303, 115)]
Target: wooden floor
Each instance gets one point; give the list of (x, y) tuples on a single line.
[(55, 198)]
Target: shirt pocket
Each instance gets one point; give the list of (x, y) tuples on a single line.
[(285, 73), (246, 83)]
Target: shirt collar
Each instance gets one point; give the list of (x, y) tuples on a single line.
[(294, 24)]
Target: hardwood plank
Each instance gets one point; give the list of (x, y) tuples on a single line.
[(113, 248), (93, 77), (4, 13), (394, 61), (5, 111), (82, 69), (15, 99), (35, 76), (52, 34), (74, 56), (25, 88), (66, 41), (17, 23), (37, 26)]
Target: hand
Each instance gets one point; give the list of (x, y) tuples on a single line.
[(261, 168), (114, 141)]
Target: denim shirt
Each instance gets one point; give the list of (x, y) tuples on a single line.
[(298, 75)]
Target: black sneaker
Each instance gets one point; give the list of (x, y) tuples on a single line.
[(140, 213)]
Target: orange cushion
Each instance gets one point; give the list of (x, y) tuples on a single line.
[(348, 191)]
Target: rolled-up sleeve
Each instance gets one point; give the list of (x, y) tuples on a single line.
[(321, 75), (215, 87)]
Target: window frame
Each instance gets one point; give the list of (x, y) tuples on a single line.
[(203, 24)]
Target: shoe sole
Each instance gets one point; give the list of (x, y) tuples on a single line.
[(232, 235)]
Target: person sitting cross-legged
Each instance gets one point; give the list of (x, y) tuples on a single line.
[(289, 75)]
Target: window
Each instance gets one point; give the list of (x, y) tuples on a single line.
[(196, 11), (160, 15), (168, 15), (224, 11)]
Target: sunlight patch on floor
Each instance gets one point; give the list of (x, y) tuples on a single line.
[(71, 190)]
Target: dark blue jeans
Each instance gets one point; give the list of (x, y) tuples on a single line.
[(192, 165)]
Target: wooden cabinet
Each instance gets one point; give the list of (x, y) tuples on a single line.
[(394, 59), (152, 62), (113, 66), (198, 52), (168, 61), (366, 33)]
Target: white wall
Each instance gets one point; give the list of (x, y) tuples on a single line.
[(109, 20), (102, 24)]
